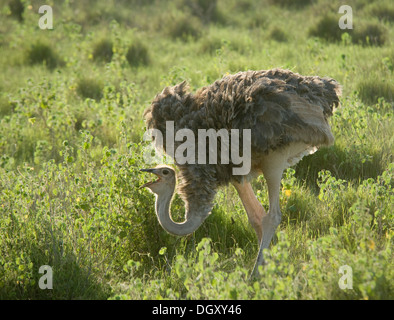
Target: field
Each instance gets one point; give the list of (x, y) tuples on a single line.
[(71, 147)]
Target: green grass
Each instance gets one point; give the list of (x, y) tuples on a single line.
[(71, 147), (42, 53), (137, 54), (103, 51)]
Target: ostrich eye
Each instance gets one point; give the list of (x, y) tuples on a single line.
[(165, 172)]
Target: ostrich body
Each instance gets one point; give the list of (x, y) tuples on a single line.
[(287, 114)]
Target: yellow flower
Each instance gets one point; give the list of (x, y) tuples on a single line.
[(287, 192), (30, 7), (371, 245)]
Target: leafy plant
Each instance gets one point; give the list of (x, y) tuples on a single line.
[(182, 26), (17, 8), (137, 54), (103, 51), (42, 53), (373, 34), (327, 28), (90, 88), (71, 149)]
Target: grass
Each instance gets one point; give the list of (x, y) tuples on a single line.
[(381, 10), (278, 34), (71, 147), (371, 34), (102, 51), (137, 54), (42, 53), (90, 88), (327, 28), (371, 90), (183, 26), (16, 7)]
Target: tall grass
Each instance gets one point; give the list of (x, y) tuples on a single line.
[(71, 147)]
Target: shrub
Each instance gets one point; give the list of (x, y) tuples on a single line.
[(383, 11), (370, 34), (371, 89), (327, 28), (5, 107), (206, 10), (210, 44), (182, 26), (277, 34), (137, 54), (290, 3), (41, 53), (90, 88), (102, 51), (17, 8), (217, 45)]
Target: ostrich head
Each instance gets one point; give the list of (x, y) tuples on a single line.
[(164, 188), (165, 182)]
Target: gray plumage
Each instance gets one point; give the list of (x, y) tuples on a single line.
[(279, 106)]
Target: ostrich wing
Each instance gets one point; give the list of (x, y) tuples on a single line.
[(281, 107)]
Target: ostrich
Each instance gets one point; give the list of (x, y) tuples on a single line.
[(287, 114)]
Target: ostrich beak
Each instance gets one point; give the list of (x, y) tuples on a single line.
[(154, 171)]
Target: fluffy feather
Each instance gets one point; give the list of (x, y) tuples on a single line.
[(279, 106)]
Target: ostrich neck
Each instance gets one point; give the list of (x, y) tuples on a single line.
[(193, 218)]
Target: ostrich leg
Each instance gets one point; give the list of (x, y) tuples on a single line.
[(273, 166), (253, 207), (263, 223), (273, 176)]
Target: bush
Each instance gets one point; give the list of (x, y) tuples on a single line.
[(41, 53), (384, 11), (200, 275), (90, 88), (217, 45), (182, 26), (17, 8), (45, 237), (205, 10), (327, 28), (370, 34), (102, 51), (370, 90), (210, 44), (5, 107), (290, 3), (137, 54), (277, 34)]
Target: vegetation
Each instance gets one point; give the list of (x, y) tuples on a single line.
[(137, 54), (71, 146), (42, 54), (102, 51)]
